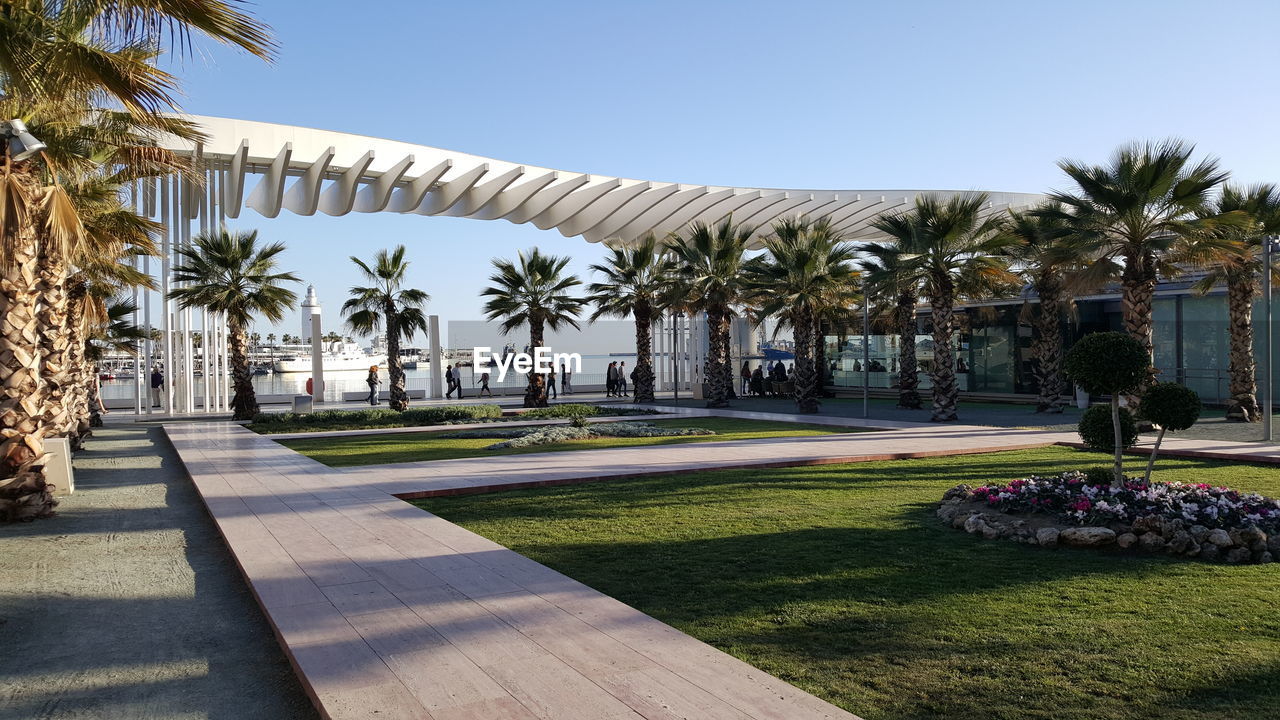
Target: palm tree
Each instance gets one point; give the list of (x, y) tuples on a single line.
[(387, 303), (635, 282), (1230, 255), (957, 252), (534, 291), (808, 269), (1051, 263), (84, 54), (271, 339), (709, 278), (91, 48), (116, 332), (892, 276), (229, 272), (1131, 213)]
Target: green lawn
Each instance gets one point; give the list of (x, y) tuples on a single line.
[(412, 447), (840, 580)]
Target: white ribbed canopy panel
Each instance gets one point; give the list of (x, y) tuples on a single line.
[(306, 171)]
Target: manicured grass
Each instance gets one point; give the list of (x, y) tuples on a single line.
[(840, 580), (413, 447)]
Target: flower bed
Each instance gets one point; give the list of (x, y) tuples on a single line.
[(1074, 508), (546, 435)]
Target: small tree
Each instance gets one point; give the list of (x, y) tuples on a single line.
[(1110, 363), (1171, 407)]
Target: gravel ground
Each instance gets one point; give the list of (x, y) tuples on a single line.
[(1212, 424), (128, 605)]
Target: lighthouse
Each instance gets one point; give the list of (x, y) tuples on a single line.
[(311, 333), (310, 307)]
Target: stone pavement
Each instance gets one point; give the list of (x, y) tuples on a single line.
[(128, 605), (386, 610)]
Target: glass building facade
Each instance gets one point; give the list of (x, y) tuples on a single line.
[(993, 344)]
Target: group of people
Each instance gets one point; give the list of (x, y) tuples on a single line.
[(760, 382), (615, 379)]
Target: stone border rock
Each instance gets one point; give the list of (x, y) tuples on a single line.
[(1149, 534)]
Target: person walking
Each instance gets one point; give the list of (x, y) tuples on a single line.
[(746, 377), (611, 379), (622, 379), (373, 382), (566, 381), (484, 385), (157, 385), (551, 382), (448, 380)]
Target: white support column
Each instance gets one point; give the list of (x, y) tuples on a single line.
[(222, 379), (317, 356), (437, 356), (148, 344), (135, 206), (188, 347), (166, 392), (206, 344)]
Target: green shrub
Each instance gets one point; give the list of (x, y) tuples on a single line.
[(566, 410), (1170, 405), (379, 417), (1107, 363), (1098, 475), (1098, 433)]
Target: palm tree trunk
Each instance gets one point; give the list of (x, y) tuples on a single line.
[(535, 393), (943, 375), (819, 358), (1047, 347), (1243, 405), (86, 373), (244, 405), (399, 400), (1137, 304), (56, 371), (904, 315), (719, 382), (24, 493), (802, 335), (644, 352)]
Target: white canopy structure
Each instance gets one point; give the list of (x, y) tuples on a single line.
[(270, 168), (306, 171)]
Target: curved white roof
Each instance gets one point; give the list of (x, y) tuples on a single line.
[(304, 171)]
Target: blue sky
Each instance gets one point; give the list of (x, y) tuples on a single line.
[(904, 94)]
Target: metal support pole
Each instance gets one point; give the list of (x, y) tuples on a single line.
[(675, 362), (866, 359), (1268, 247)]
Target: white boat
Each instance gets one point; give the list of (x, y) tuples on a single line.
[(337, 356)]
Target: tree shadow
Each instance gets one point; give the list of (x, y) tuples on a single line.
[(138, 607)]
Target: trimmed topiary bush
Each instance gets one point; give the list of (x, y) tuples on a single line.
[(1097, 432), (1109, 363), (1169, 406)]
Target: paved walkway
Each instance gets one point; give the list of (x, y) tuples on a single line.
[(389, 611), (473, 475), (386, 610)]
